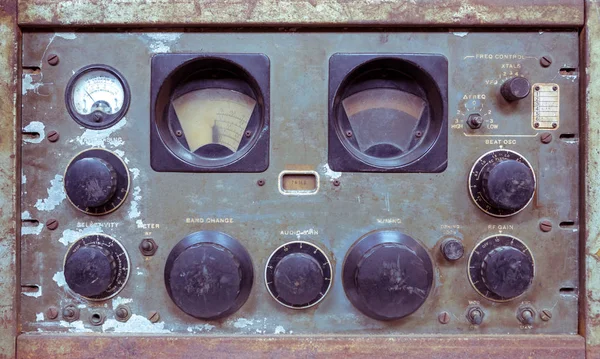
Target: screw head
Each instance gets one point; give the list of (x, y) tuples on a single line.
[(546, 61), (178, 133), (248, 133), (53, 59), (554, 125), (53, 136), (546, 137), (545, 225), (52, 313), (122, 313), (418, 134), (97, 117), (260, 182), (536, 125), (154, 317), (545, 315), (537, 88), (444, 317), (148, 247), (336, 183), (70, 313), (348, 133), (52, 224), (554, 88)]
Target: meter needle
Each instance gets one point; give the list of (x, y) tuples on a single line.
[(89, 95)]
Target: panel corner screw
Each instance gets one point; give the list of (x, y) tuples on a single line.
[(154, 317), (260, 182), (554, 125), (546, 137), (248, 133), (53, 136), (52, 313), (546, 315), (178, 133), (348, 133), (444, 317), (52, 59), (536, 125), (537, 88), (545, 225), (546, 61), (52, 224), (336, 183), (554, 88)]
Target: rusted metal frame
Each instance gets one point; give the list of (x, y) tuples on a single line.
[(9, 231), (552, 13), (450, 346), (591, 255)]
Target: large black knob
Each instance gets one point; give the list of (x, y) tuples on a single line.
[(502, 183), (96, 267), (501, 268), (209, 275), (96, 181), (387, 275), (516, 88), (507, 271), (298, 275), (90, 182)]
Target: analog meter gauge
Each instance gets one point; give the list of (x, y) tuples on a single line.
[(388, 114), (210, 113), (97, 96)]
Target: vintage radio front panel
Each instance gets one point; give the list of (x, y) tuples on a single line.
[(304, 183)]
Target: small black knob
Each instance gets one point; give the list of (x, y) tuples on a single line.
[(387, 275), (90, 182), (507, 271), (209, 275), (298, 278), (90, 270), (452, 249), (508, 185), (515, 89)]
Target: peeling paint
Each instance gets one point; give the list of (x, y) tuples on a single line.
[(75, 327), (34, 127), (134, 212), (29, 85), (135, 324), (279, 330), (159, 43), (460, 33), (328, 172), (39, 317), (59, 278), (56, 194), (200, 328), (135, 172), (241, 323), (66, 35), (119, 301), (69, 236), (102, 138), (29, 230)]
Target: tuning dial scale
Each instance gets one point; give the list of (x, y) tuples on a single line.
[(298, 275), (97, 182), (502, 183), (501, 268), (96, 267)]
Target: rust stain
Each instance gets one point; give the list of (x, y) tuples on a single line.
[(8, 162), (309, 12)]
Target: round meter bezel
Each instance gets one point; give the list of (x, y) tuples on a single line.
[(107, 120)]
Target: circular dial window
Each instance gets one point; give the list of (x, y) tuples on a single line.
[(388, 112), (210, 112), (97, 96)]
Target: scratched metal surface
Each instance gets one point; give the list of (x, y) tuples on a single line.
[(429, 206), (301, 12)]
